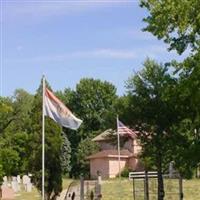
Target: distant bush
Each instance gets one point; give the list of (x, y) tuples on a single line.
[(125, 172)]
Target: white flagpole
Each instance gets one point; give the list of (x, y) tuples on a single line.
[(43, 137), (118, 148)]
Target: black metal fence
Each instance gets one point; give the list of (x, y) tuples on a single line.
[(145, 186)]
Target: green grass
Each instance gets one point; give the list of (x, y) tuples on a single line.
[(66, 183), (35, 195), (116, 190)]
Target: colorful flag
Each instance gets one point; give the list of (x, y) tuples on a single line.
[(123, 130), (57, 111)]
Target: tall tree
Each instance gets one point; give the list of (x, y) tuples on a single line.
[(93, 101), (53, 143), (175, 21), (178, 24), (151, 94), (14, 138), (6, 113), (85, 148), (22, 105), (65, 154)]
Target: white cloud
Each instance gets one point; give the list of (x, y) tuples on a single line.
[(97, 53), (152, 51), (37, 9), (107, 53)]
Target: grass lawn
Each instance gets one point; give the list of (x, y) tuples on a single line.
[(34, 195), (116, 190)]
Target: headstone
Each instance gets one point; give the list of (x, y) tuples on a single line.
[(18, 179), (7, 193), (29, 187), (19, 182), (5, 180), (14, 184), (26, 182)]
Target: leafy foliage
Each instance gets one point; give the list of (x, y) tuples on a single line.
[(94, 102), (65, 154), (151, 92), (53, 143), (85, 148), (6, 113), (178, 23), (175, 21), (9, 160)]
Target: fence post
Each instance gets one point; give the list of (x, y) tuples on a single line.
[(180, 188), (133, 189), (146, 186), (81, 188)]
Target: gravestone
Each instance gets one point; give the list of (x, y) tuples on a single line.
[(18, 179), (14, 184), (29, 187), (19, 182), (25, 180), (7, 193), (27, 183), (5, 180)]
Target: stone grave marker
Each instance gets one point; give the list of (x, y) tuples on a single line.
[(7, 193)]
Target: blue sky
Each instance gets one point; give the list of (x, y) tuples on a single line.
[(70, 40)]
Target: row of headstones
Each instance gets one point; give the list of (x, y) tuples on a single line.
[(16, 183)]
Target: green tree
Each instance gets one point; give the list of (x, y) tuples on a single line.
[(16, 135), (92, 101), (65, 154), (14, 116), (22, 105), (85, 148), (177, 22), (189, 104), (6, 113), (9, 160), (150, 93), (17, 142), (53, 143)]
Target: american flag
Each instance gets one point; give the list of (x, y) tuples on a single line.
[(123, 130)]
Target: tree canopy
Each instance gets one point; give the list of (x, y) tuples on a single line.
[(177, 22)]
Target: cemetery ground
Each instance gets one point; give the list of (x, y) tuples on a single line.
[(113, 189), (34, 195)]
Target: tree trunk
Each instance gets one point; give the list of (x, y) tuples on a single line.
[(161, 193)]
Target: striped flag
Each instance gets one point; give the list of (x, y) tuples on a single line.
[(123, 130), (57, 111)]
